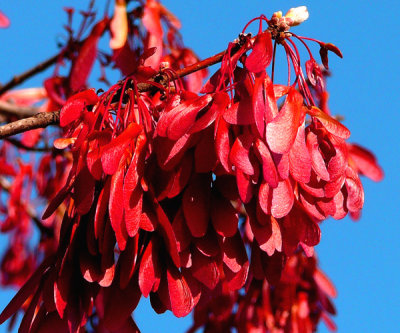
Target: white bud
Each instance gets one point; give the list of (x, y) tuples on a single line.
[(165, 64), (278, 14), (297, 15)]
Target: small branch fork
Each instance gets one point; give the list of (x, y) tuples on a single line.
[(16, 80), (44, 119)]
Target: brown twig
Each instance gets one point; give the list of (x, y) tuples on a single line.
[(9, 109), (40, 120), (20, 145), (45, 119), (202, 64), (18, 79)]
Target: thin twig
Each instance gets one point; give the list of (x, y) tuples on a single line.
[(18, 79), (202, 64), (20, 145), (40, 120), (9, 109), (45, 119)]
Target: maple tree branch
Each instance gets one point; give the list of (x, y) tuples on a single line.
[(202, 64), (20, 145), (9, 109), (39, 120), (44, 119), (18, 79)]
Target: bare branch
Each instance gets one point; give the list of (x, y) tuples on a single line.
[(18, 79), (20, 145), (40, 120), (9, 109)]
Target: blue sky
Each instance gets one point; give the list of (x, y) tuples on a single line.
[(360, 257)]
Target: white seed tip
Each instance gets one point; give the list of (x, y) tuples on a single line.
[(297, 15)]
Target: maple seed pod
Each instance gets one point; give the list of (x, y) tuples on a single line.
[(297, 15)]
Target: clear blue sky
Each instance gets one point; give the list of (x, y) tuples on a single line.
[(361, 258)]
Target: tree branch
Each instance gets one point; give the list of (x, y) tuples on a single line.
[(9, 109), (39, 120), (203, 64), (18, 79), (44, 119), (20, 145)]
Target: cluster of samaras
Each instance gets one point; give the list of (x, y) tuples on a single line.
[(188, 197)]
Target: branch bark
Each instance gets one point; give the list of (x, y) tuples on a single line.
[(18, 79), (203, 64), (9, 109), (20, 145), (39, 120), (44, 119)]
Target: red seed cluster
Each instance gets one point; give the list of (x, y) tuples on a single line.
[(188, 197), (295, 303)]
